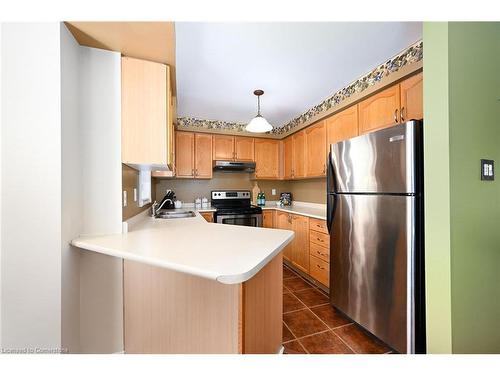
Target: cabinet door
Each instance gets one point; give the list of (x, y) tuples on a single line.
[(316, 150), (300, 248), (184, 154), (412, 94), (208, 216), (380, 110), (266, 158), (244, 149), (144, 112), (284, 221), (342, 126), (299, 155), (203, 155), (223, 147), (268, 218), (288, 158)]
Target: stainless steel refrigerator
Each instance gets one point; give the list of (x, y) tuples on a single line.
[(375, 219)]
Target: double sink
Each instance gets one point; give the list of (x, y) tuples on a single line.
[(174, 214)]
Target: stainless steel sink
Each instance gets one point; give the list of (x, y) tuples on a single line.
[(174, 214)]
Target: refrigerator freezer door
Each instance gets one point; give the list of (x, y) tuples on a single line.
[(378, 162), (371, 264)]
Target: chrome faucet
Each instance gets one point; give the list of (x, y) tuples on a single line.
[(155, 207)]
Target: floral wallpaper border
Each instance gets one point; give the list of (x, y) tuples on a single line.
[(412, 54)]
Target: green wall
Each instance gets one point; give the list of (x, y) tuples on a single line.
[(437, 188), (467, 128), (474, 71)]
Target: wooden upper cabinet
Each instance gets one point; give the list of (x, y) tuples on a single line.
[(316, 150), (203, 155), (300, 244), (223, 147), (342, 126), (145, 106), (380, 110), (267, 152), (184, 154), (288, 158), (244, 149), (299, 155), (193, 155), (412, 94), (228, 147)]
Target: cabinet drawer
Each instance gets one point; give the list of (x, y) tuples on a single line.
[(318, 225), (318, 238), (320, 270), (319, 251)]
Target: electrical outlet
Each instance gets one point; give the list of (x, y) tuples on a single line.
[(273, 192), (124, 198), (487, 170)]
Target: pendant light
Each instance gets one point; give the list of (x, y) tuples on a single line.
[(258, 124)]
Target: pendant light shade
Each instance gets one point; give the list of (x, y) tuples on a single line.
[(258, 124)]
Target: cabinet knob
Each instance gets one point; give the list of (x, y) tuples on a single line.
[(396, 115), (192, 172), (402, 114)]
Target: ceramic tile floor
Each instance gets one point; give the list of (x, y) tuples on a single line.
[(312, 326)]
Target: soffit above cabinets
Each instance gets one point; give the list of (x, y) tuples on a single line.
[(154, 41)]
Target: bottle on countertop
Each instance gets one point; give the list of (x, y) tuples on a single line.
[(263, 199)]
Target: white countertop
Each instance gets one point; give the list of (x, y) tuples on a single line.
[(317, 211), (230, 254)]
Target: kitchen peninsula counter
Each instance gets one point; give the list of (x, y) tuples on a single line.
[(190, 286)]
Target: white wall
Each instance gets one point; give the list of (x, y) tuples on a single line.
[(60, 154), (0, 187), (101, 301), (31, 207), (72, 182)]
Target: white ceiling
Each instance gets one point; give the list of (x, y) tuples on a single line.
[(298, 65)]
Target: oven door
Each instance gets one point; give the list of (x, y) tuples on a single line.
[(253, 220)]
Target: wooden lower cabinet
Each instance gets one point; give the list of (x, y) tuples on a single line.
[(268, 218), (208, 216), (320, 270), (284, 221), (309, 251), (170, 312), (300, 244)]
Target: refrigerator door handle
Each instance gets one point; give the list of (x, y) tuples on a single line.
[(331, 205), (330, 199)]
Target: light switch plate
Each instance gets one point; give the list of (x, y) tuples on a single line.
[(273, 192), (487, 170)]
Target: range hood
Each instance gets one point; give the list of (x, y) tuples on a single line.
[(234, 166)]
